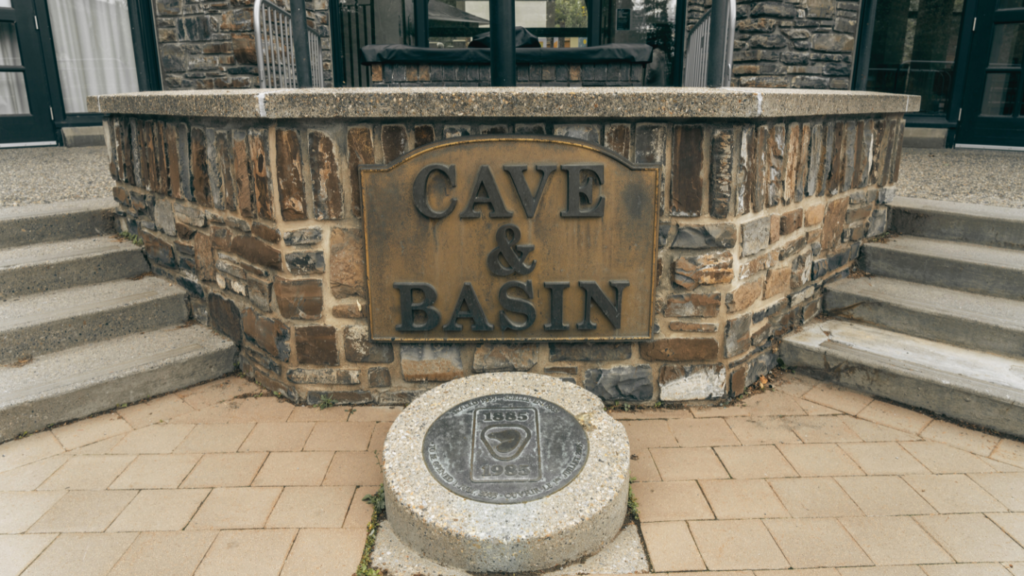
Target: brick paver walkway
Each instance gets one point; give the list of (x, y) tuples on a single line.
[(804, 476)]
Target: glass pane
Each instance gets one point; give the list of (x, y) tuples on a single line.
[(1001, 4), (13, 95), (10, 55), (5, 3), (1000, 96), (93, 42), (1007, 44), (453, 23), (913, 50)]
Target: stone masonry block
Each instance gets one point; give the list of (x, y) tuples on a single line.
[(316, 345), (431, 362), (326, 176), (621, 383), (359, 348), (755, 236), (290, 185)]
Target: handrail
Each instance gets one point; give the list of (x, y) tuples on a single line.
[(275, 51)]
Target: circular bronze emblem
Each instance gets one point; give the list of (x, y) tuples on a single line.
[(505, 448)]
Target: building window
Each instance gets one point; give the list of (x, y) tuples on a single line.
[(913, 50)]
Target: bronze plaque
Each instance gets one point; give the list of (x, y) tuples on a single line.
[(510, 238)]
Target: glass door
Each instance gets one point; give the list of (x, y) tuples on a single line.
[(25, 116), (992, 112)]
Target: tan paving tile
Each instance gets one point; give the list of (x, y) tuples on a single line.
[(375, 414), (84, 554), (157, 510), (30, 476), (649, 433), (737, 545), (895, 540), (953, 493), (754, 462), (235, 508), (762, 430), (340, 436), (277, 437), (797, 572), (642, 467), (247, 553), (883, 459), (1009, 451), (20, 510), (693, 432), (814, 409), (668, 501), (359, 511), (319, 552), (688, 463), (311, 507), (19, 551), (882, 571), (741, 499), (652, 414), (164, 554), (262, 409), (794, 384), (84, 511), (964, 438), (884, 496), (821, 429), (816, 542), (871, 432), (89, 430), (965, 570), (1011, 523), (207, 438), (1000, 466), (211, 393), (894, 416), (222, 470), (838, 398), (734, 409), (380, 434), (971, 538), (814, 498), (1015, 568), (294, 469), (354, 469), (156, 471), (313, 414), (99, 448), (945, 459), (155, 439), (671, 547), (772, 403), (819, 460), (87, 473), (1007, 488), (161, 409), (28, 450)]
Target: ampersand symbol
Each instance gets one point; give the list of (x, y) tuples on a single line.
[(512, 253)]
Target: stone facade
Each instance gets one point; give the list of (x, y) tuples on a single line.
[(207, 44), (411, 76), (791, 44), (260, 220)]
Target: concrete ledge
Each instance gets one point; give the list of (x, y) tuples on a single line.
[(82, 136), (448, 102)]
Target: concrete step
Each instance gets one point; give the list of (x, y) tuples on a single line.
[(60, 265), (976, 224), (957, 265), (81, 381), (53, 321), (969, 320), (42, 223), (977, 387)]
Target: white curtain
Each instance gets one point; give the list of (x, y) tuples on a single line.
[(93, 42), (13, 95)]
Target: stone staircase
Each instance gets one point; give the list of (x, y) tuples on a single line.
[(938, 324), (84, 327)]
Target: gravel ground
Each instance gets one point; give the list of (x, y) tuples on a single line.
[(53, 174), (991, 177)]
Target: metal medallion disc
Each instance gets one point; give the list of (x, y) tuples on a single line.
[(505, 448)]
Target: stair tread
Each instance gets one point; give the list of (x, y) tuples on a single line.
[(1006, 258), (958, 209), (82, 300), (935, 300), (34, 211), (994, 375), (75, 368), (56, 252)]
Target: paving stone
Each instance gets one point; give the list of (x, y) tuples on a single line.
[(944, 459), (895, 417), (971, 538), (164, 553), (90, 554), (311, 507), (649, 433), (671, 547), (669, 501), (741, 499), (156, 510), (883, 458), (205, 438), (22, 509), (354, 469), (694, 463), (1004, 487), (277, 437), (884, 496), (895, 540), (702, 432), (323, 551), (820, 429), (156, 471), (235, 509), (339, 436), (737, 545), (642, 467), (18, 551), (294, 469), (816, 542), (754, 462), (953, 493), (90, 430), (812, 460), (247, 552), (762, 430), (221, 470), (87, 472), (30, 476), (814, 498), (84, 511)]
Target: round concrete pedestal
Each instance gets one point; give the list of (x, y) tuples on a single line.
[(577, 520)]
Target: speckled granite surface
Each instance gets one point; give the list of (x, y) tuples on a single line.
[(990, 177)]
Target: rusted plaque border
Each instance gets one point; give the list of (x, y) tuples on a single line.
[(655, 168)]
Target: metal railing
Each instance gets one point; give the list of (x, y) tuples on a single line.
[(275, 48), (708, 57)]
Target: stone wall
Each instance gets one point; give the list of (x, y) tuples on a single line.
[(412, 76), (206, 44), (791, 44), (259, 220)]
